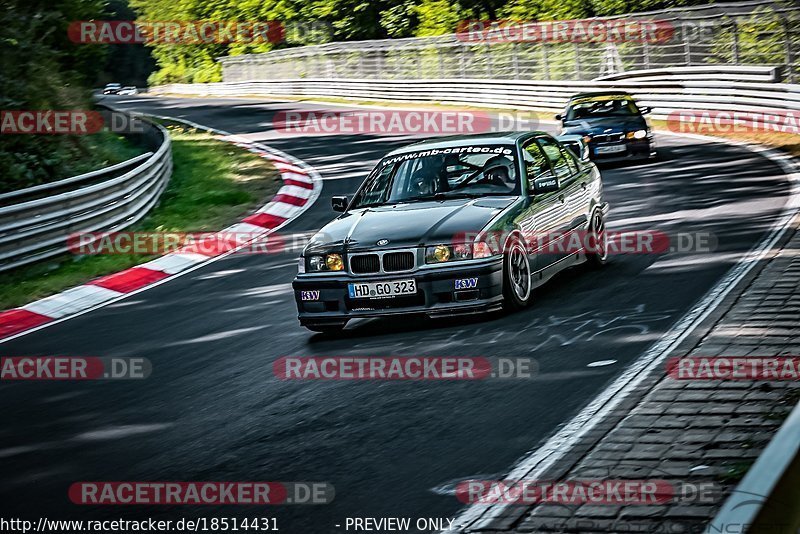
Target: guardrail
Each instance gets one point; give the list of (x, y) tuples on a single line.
[(36, 223), (666, 90)]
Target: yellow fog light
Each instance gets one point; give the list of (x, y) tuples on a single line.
[(334, 262), (441, 253), (437, 254)]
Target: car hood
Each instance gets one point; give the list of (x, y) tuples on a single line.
[(604, 125), (406, 225)]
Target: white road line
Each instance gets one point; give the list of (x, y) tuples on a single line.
[(536, 464)]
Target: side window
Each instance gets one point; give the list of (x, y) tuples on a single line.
[(536, 164), (561, 165), (571, 159)]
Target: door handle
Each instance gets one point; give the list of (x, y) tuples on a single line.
[(561, 198), (583, 186)]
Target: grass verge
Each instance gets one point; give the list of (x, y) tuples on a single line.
[(214, 184)]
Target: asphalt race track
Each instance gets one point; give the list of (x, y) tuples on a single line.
[(212, 409)]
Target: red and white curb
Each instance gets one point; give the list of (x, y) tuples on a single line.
[(301, 188)]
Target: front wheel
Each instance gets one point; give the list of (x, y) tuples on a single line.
[(597, 252), (516, 277)]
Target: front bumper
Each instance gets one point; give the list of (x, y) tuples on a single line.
[(633, 149), (436, 294)]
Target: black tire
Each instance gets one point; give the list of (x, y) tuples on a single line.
[(516, 277), (326, 328), (597, 249)]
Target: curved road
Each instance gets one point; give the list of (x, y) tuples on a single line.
[(212, 410)]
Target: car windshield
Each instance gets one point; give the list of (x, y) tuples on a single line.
[(112, 85), (602, 107), (439, 174)]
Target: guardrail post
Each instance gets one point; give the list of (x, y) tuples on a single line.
[(515, 60), (545, 62), (687, 47), (735, 41), (787, 39), (578, 65)]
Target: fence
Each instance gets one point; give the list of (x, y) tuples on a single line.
[(666, 91), (35, 223), (742, 33)]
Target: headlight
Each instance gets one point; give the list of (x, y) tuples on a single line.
[(466, 251), (482, 250), (638, 134), (438, 254), (328, 262)]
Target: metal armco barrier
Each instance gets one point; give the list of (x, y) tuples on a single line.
[(718, 88), (35, 223)]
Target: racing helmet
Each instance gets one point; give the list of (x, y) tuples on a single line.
[(499, 170)]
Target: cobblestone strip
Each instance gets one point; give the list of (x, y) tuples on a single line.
[(697, 435)]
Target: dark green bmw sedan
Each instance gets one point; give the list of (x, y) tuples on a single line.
[(465, 224)]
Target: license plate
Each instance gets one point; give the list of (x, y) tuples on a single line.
[(376, 290), (609, 149)]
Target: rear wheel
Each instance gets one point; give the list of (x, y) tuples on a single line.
[(516, 277), (597, 251)]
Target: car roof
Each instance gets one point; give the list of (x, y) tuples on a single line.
[(451, 141), (581, 96)]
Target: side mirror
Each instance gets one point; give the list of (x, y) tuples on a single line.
[(339, 203), (545, 184), (559, 117), (645, 110)]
